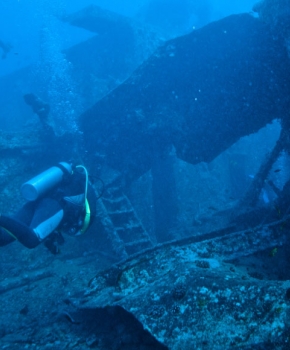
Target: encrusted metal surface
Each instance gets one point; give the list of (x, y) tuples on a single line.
[(187, 296)]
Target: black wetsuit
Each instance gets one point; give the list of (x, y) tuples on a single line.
[(61, 210)]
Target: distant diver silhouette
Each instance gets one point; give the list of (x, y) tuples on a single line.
[(5, 48), (38, 106), (41, 109)]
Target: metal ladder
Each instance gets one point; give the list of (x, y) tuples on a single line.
[(121, 223)]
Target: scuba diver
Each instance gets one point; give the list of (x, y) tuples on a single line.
[(59, 200)]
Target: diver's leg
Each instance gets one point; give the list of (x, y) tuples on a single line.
[(19, 231), (47, 217), (24, 215), (5, 237)]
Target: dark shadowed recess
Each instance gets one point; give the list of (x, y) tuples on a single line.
[(113, 328)]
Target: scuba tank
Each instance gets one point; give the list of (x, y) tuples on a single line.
[(40, 184)]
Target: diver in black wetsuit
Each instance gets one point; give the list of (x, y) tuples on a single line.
[(60, 200)]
